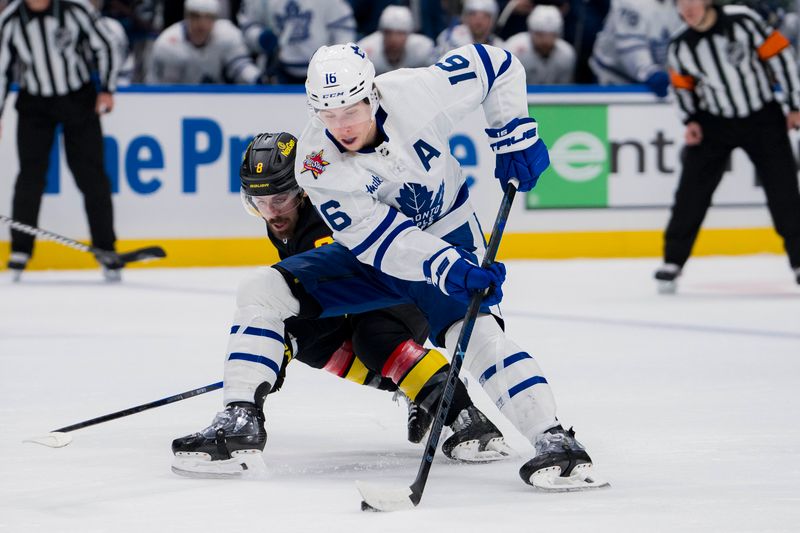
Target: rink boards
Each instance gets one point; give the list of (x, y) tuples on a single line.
[(173, 154)]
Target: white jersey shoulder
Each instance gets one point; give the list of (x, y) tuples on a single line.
[(392, 204), (634, 40), (224, 58), (419, 52)]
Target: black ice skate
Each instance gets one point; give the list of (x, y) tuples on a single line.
[(419, 422), (229, 447), (475, 439), (561, 464), (17, 262), (667, 277), (797, 275)]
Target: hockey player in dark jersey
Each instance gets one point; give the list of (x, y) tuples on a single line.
[(381, 349)]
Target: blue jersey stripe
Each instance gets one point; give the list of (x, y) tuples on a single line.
[(373, 237), (258, 332), (382, 249), (487, 64), (508, 361), (505, 65), (253, 358), (528, 383)]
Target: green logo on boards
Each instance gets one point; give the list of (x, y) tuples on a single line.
[(577, 137)]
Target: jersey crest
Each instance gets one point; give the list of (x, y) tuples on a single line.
[(315, 163), (299, 22), (419, 204)]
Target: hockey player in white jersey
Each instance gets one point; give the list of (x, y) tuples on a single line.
[(478, 18), (632, 46), (398, 204), (201, 49), (547, 58), (294, 29), (395, 45), (122, 46)]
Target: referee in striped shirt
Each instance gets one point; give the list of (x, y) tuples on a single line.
[(53, 46), (724, 68)]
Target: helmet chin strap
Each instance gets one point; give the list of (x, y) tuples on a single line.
[(374, 100)]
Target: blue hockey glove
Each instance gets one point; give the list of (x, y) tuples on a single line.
[(453, 271), (658, 82), (526, 165), (466, 278), (268, 41), (521, 154)]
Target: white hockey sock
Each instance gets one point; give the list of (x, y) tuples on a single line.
[(256, 344), (509, 375)]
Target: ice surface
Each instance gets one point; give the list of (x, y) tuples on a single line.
[(688, 404)]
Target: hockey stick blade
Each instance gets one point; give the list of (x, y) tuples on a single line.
[(143, 254), (382, 498), (55, 439)]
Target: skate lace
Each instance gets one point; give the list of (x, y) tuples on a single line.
[(558, 441), (232, 419), (467, 418)]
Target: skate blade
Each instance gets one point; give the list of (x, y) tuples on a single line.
[(470, 451), (667, 287), (582, 478), (242, 464)]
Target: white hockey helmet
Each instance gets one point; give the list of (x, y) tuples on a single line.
[(546, 19), (338, 76), (209, 7), (397, 18), (486, 6)]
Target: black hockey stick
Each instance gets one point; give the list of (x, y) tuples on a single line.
[(105, 257), (376, 498), (59, 438)]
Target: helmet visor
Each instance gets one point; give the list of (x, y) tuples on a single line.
[(345, 117), (276, 205)]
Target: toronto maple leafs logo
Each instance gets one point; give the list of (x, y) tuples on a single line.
[(419, 204), (294, 23), (315, 163)]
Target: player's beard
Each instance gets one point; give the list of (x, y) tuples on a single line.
[(281, 227)]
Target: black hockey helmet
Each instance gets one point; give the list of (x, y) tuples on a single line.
[(268, 164)]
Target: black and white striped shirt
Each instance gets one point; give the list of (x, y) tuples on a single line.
[(731, 70), (49, 48)]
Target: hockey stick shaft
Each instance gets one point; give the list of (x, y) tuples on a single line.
[(418, 486), (139, 408), (104, 256), (37, 232)]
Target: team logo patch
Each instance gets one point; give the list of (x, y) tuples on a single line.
[(418, 203), (315, 163), (286, 148), (735, 52)]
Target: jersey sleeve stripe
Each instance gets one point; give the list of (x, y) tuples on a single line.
[(373, 237), (382, 249), (506, 64), (772, 45), (487, 65), (528, 383)]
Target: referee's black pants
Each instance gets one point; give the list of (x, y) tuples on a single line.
[(38, 117), (763, 137)]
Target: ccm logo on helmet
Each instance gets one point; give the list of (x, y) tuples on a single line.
[(332, 95)]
